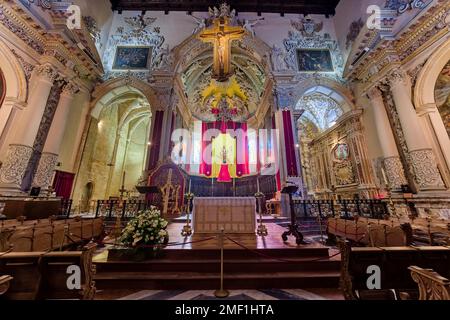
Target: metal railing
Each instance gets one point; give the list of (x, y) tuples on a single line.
[(346, 209), (126, 209)]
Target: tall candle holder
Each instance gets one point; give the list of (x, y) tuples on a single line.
[(187, 229), (262, 229)]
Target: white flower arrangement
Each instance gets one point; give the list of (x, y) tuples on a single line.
[(146, 228)]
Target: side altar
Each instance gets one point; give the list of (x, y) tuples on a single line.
[(234, 215)]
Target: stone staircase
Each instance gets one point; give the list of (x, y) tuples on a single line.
[(199, 269)]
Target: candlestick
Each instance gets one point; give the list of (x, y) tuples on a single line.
[(257, 183), (190, 181)]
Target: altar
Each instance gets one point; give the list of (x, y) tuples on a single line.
[(235, 215)]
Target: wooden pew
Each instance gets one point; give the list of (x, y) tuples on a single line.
[(4, 284), (394, 263), (432, 286), (370, 232), (43, 275), (49, 234)]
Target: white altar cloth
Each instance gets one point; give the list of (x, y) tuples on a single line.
[(235, 215)]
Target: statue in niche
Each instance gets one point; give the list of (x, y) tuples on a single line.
[(278, 59)]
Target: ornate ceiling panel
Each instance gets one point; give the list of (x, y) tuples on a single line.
[(248, 74)]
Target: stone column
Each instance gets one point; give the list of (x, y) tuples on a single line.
[(421, 154), (26, 127), (391, 158), (50, 153)]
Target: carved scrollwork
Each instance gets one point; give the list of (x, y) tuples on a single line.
[(395, 174), (425, 169), (48, 72), (431, 285), (44, 173), (13, 170)]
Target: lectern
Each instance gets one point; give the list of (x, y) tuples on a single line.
[(293, 227)]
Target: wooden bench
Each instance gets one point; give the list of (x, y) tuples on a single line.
[(370, 232), (394, 263), (4, 284), (43, 275)]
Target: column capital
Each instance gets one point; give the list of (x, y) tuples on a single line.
[(397, 77), (70, 89), (48, 72), (374, 93)]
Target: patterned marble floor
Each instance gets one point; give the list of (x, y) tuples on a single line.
[(259, 295)]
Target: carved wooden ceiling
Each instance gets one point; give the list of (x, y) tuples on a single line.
[(326, 7)]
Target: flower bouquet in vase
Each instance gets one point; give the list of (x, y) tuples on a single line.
[(145, 235)]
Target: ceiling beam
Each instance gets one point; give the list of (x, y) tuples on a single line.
[(325, 7)]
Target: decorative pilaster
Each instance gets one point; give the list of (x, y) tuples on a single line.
[(420, 154), (49, 157), (26, 127), (392, 162)]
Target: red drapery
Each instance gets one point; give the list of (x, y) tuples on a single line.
[(291, 159), (156, 140), (278, 176), (242, 150), (63, 183)]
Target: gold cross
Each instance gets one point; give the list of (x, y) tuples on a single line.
[(222, 35)]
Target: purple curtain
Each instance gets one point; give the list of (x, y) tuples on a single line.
[(156, 140), (291, 159), (63, 184)]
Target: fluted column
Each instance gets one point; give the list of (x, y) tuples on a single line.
[(421, 154), (26, 127), (50, 153), (391, 157)]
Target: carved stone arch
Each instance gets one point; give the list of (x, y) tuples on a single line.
[(428, 76), (16, 82), (15, 95), (144, 88), (347, 99)]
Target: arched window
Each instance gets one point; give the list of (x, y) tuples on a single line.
[(2, 88)]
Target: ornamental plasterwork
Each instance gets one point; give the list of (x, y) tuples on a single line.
[(93, 30), (420, 33), (426, 172), (296, 41), (249, 75), (138, 31), (15, 165), (319, 110), (20, 30), (394, 172), (401, 6), (46, 167), (45, 4)]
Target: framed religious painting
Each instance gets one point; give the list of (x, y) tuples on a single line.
[(132, 58), (314, 60)]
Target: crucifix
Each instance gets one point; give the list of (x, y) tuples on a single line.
[(222, 35)]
